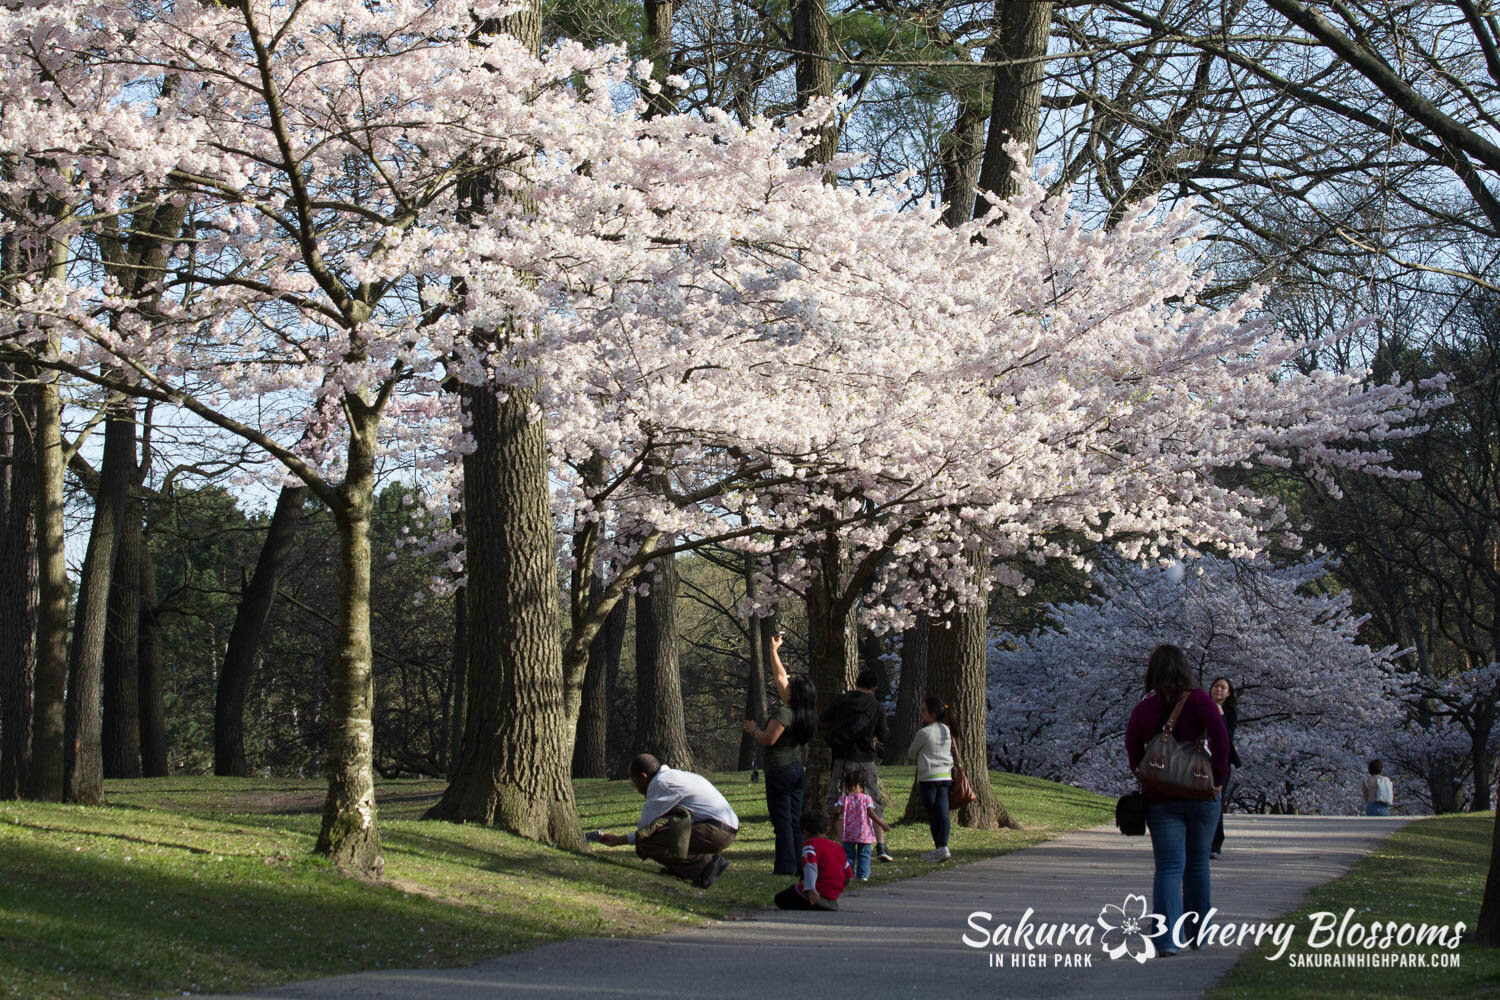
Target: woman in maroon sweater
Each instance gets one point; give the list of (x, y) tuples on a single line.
[(1182, 830)]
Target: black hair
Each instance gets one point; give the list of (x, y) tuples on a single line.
[(1375, 767), (644, 765), (802, 699), (852, 778), (936, 706), (940, 713), (1168, 673), (867, 679), (814, 823)]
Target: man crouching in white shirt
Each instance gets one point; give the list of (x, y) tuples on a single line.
[(685, 826)]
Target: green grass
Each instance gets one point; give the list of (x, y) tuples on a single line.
[(1432, 871), (208, 884)]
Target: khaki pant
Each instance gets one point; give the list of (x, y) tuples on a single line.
[(681, 846)]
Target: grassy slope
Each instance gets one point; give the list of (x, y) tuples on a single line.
[(205, 884), (1432, 871)]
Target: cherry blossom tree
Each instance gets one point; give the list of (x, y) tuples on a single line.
[(1314, 703), (379, 201)]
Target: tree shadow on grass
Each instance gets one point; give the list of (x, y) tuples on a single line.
[(138, 927)]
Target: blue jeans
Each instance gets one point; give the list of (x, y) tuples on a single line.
[(784, 788), (935, 801), (859, 857), (1377, 808), (1182, 831)]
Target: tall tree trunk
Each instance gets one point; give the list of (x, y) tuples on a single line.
[(459, 668), (1020, 48), (513, 762), (122, 716), (84, 741), (1487, 931), (756, 629), (590, 746), (812, 53), (152, 703), (832, 650), (661, 726), (250, 619), (1483, 763), (349, 835), (658, 47), (49, 711), (959, 152), (619, 729), (957, 672), (513, 765), (18, 588), (913, 688)]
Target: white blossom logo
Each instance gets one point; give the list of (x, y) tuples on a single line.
[(1128, 929)]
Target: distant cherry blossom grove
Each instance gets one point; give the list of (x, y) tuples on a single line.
[(1314, 703)]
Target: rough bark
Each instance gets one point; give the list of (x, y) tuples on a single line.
[(913, 688), (812, 52), (1487, 930), (148, 668), (957, 673), (757, 630), (84, 721), (658, 48), (122, 722), (1481, 761), (832, 651), (513, 761), (513, 766), (590, 746), (349, 835), (619, 728), (959, 152), (661, 726), (460, 669), (1021, 33), (49, 712), (238, 668), (18, 589)]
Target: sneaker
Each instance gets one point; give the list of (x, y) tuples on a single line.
[(883, 855), (1213, 854), (711, 873), (937, 854), (864, 878)]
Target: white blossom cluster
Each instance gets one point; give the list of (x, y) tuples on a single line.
[(382, 205)]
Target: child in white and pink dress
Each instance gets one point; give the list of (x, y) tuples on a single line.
[(860, 823)]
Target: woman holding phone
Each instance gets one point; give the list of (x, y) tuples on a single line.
[(791, 724)]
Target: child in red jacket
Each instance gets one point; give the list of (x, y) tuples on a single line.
[(825, 869)]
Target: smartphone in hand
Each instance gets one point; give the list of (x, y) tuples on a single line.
[(593, 836)]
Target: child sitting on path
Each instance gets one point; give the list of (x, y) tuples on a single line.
[(825, 870), (860, 823)]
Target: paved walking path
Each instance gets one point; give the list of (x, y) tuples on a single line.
[(904, 939)]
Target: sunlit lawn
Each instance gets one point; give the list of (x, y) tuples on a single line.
[(1431, 871), (209, 884)]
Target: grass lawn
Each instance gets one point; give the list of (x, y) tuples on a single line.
[(1432, 871), (208, 884)]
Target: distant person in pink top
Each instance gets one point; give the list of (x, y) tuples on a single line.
[(825, 870), (861, 819)]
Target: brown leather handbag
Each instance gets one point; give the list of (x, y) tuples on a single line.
[(1177, 770), (960, 793)]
